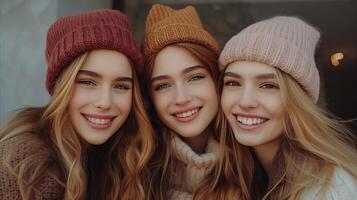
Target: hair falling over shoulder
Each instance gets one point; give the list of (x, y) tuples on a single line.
[(314, 144), (133, 151), (44, 128), (127, 157)]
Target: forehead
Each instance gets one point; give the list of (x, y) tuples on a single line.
[(248, 68), (107, 62), (173, 60)]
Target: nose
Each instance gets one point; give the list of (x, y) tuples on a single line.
[(248, 99), (183, 96), (104, 100)]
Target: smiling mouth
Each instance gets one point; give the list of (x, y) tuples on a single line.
[(99, 122), (250, 121), (187, 115)]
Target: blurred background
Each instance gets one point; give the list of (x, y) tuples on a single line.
[(23, 27)]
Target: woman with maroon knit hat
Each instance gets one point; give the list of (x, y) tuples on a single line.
[(93, 139)]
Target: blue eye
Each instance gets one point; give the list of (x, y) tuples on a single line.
[(121, 86), (161, 86), (86, 82), (197, 77), (269, 86)]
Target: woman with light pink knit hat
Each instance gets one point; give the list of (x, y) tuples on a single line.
[(93, 140), (284, 145)]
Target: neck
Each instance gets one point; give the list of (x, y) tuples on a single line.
[(266, 154), (198, 143)]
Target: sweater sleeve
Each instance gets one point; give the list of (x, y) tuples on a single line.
[(49, 187)]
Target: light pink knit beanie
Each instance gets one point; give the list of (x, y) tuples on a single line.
[(287, 43)]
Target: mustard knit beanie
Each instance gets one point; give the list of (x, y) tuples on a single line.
[(165, 26), (287, 43)]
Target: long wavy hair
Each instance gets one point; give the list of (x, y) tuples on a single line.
[(127, 151), (163, 166), (314, 144)]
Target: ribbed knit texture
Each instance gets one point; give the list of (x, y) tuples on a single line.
[(73, 35), (165, 26), (193, 167), (48, 188), (287, 43)]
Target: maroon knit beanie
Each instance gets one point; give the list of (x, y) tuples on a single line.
[(71, 36)]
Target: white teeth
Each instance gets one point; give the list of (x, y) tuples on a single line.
[(98, 121), (250, 121), (187, 114)]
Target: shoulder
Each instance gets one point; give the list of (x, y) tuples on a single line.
[(17, 149), (18, 145), (342, 185)]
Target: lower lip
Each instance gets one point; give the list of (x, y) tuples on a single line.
[(250, 127), (98, 126), (188, 119)]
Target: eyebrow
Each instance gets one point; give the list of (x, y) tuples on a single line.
[(185, 71), (259, 76), (96, 75)]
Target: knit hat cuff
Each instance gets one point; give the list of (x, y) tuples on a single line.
[(84, 39), (281, 53), (175, 33)]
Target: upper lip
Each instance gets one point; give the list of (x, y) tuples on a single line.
[(99, 116), (248, 115), (186, 110)]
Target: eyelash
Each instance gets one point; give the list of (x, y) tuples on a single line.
[(86, 82), (121, 86), (161, 86), (270, 86), (197, 77)]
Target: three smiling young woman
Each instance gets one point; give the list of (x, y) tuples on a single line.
[(269, 141)]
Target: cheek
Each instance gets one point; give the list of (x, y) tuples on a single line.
[(124, 102), (274, 105), (78, 99), (227, 100), (160, 101)]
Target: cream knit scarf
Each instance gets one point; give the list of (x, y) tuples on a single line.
[(193, 167)]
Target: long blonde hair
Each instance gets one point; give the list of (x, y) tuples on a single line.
[(314, 144), (129, 151)]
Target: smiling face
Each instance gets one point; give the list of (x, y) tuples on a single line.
[(251, 101), (102, 96), (183, 92)]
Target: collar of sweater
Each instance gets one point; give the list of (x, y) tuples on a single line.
[(184, 153)]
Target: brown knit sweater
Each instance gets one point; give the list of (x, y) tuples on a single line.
[(48, 188), (192, 167)]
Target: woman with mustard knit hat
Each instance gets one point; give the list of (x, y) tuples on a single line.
[(94, 131), (179, 77), (286, 146)]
